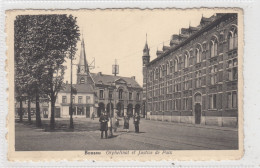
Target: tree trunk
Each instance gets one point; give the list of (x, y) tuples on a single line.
[(21, 110), (29, 111), (52, 123), (38, 113)]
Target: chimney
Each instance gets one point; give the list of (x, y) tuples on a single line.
[(100, 73), (133, 77)]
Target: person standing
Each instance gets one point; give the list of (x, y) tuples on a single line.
[(136, 122), (103, 124), (109, 123), (93, 115), (116, 121), (126, 123)]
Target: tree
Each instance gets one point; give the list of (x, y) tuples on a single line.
[(60, 33), (27, 56), (42, 44)]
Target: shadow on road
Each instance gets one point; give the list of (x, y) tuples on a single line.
[(63, 126)]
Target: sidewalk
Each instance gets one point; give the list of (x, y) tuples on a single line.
[(62, 123), (194, 125)]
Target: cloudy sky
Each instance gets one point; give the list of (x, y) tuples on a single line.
[(120, 35)]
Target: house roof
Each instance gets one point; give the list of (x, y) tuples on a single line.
[(80, 88), (109, 79), (213, 20)]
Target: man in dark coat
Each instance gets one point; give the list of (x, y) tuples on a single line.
[(103, 124), (136, 122)]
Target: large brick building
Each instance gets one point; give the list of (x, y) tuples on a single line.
[(194, 80)]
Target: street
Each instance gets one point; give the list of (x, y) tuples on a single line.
[(154, 135)]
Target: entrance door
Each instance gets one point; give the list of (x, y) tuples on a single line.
[(57, 112), (101, 108), (197, 113), (88, 112), (130, 110), (120, 109)]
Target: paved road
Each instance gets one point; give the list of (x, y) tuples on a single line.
[(153, 135)]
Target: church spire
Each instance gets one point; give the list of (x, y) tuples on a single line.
[(146, 55), (83, 75), (83, 64), (146, 49)]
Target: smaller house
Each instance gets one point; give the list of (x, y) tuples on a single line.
[(83, 101)]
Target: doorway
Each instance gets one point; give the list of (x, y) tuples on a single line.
[(101, 108), (197, 113), (88, 112)]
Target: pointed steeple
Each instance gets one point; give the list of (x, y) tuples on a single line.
[(83, 64), (146, 49), (146, 55), (83, 75)]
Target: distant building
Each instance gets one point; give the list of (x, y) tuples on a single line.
[(124, 93), (44, 107), (194, 80), (83, 101)]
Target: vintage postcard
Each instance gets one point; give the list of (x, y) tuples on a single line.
[(125, 84)]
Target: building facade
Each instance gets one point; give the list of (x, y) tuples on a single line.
[(123, 94), (82, 101), (111, 92), (194, 80), (44, 108)]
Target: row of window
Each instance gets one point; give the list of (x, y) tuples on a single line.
[(80, 99), (81, 110), (186, 103), (199, 81), (120, 95), (169, 67)]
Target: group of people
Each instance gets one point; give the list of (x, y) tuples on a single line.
[(107, 123)]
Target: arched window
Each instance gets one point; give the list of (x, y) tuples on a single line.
[(161, 71), (120, 94), (168, 68), (186, 60), (232, 38), (157, 73), (198, 54), (82, 80), (235, 39), (175, 65), (213, 47)]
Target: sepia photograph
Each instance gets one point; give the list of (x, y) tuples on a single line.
[(119, 80)]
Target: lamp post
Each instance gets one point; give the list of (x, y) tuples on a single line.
[(71, 103), (110, 110)]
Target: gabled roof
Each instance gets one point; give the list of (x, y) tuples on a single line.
[(80, 88), (110, 79)]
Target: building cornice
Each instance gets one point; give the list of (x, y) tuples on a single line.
[(193, 36)]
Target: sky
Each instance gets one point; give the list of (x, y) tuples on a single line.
[(121, 35)]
